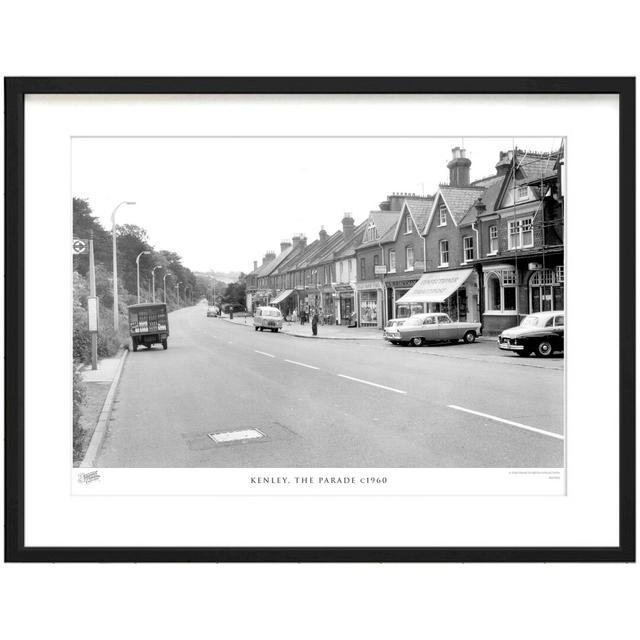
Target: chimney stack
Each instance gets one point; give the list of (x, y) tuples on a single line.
[(505, 163), (459, 168), (348, 226), (255, 265), (284, 245), (324, 236), (269, 256)]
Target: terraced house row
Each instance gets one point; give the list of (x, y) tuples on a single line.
[(489, 250)]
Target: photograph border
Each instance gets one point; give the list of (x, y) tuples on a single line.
[(15, 91)]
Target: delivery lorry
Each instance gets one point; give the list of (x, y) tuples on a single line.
[(148, 325)]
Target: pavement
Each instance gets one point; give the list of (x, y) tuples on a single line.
[(330, 403)]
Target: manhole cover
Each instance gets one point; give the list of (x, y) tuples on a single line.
[(231, 436)]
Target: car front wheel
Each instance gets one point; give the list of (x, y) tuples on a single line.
[(469, 337), (544, 349), (416, 342)]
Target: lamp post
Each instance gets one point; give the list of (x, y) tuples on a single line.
[(153, 281), (178, 291), (138, 270), (115, 264), (164, 286), (213, 290)]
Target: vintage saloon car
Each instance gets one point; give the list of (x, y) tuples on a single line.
[(431, 327), (541, 333), (267, 318)]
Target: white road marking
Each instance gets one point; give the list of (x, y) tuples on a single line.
[(511, 422), (302, 364), (262, 353), (373, 384)]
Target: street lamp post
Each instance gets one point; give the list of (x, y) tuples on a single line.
[(153, 281), (142, 253), (115, 264), (164, 286)]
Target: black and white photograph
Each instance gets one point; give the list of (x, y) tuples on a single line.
[(319, 302)]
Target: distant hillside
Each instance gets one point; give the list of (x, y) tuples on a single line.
[(221, 276)]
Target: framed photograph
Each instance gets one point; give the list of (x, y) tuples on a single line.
[(320, 319)]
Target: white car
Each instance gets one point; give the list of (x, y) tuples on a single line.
[(267, 318), (431, 327)]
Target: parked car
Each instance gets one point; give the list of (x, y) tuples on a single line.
[(431, 327), (267, 318), (541, 333), (148, 325), (213, 312)]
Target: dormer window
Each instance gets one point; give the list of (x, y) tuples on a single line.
[(371, 233), (443, 215), (407, 224), (522, 193)]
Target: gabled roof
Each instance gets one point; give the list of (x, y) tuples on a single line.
[(268, 268), (383, 221), (489, 198), (458, 201)]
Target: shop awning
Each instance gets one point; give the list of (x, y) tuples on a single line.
[(282, 296), (435, 287)]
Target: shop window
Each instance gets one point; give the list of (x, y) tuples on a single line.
[(392, 261), (502, 291), (494, 298), (546, 291), (493, 239), (368, 307), (409, 258), (521, 233), (467, 242), (444, 253)]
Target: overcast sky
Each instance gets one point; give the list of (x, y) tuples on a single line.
[(221, 203)]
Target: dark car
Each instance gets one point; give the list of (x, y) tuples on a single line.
[(540, 333)]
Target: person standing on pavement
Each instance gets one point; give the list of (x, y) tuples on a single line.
[(314, 322)]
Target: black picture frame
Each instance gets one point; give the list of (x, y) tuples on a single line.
[(15, 91)]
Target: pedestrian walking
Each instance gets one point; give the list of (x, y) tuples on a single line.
[(294, 316), (314, 323)]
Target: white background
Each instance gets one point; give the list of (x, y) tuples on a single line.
[(320, 601)]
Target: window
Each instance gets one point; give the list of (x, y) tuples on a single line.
[(443, 215), (342, 272), (468, 248), (559, 321), (522, 193), (520, 233), (392, 261), (444, 253), (370, 234), (362, 269), (376, 262), (407, 224), (493, 239), (560, 274), (546, 292), (502, 291), (409, 257)]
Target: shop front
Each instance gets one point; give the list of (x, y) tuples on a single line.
[(452, 292), (345, 305), (370, 304), (285, 302), (328, 304), (396, 289), (515, 290)]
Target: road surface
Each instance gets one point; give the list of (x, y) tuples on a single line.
[(330, 403)]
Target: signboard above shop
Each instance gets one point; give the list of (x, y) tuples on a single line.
[(380, 269)]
